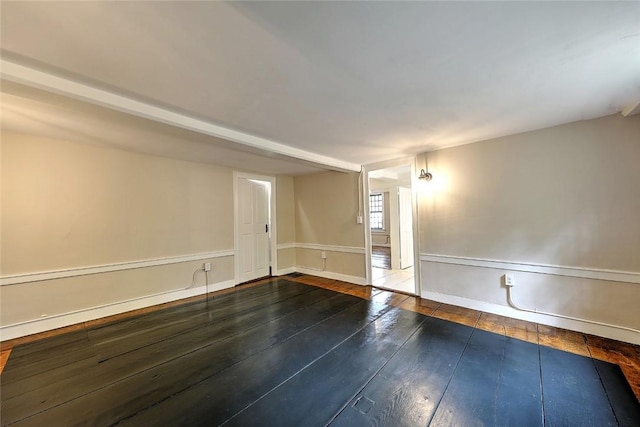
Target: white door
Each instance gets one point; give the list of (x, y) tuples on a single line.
[(253, 219), (406, 227)]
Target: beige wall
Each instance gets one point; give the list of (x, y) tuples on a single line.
[(286, 221), (69, 205), (565, 196), (326, 211), (348, 264), (286, 210), (286, 260), (327, 208), (30, 301)]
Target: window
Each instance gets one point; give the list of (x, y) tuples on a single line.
[(376, 211)]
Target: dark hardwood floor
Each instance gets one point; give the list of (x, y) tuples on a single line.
[(282, 352), (381, 257)]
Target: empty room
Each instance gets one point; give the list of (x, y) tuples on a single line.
[(319, 213)]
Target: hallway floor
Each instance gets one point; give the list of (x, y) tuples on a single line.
[(397, 280)]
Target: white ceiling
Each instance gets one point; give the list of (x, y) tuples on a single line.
[(359, 82), (400, 174)]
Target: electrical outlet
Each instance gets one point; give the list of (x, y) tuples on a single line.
[(207, 266), (509, 279), (323, 255)]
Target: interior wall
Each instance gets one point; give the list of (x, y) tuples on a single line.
[(351, 265), (566, 196), (286, 221), (67, 205), (326, 211)]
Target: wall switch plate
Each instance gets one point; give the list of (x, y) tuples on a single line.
[(207, 266), (359, 219), (323, 255), (509, 280)]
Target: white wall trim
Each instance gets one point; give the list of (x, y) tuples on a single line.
[(502, 310), (379, 190), (106, 268), (331, 275), (320, 247), (286, 246), (331, 248), (34, 326), (556, 270), (51, 83), (285, 271)]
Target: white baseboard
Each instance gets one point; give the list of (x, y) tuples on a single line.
[(331, 275), (502, 310), (34, 326), (285, 271)]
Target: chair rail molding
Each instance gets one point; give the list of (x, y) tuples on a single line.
[(557, 270), (106, 268)]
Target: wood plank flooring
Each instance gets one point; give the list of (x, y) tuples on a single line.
[(302, 350), (381, 257)]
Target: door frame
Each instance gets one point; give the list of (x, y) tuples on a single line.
[(409, 161), (273, 231), (401, 189)]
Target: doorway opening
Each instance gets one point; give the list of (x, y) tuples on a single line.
[(391, 234), (254, 226)]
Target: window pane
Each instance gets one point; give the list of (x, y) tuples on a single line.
[(376, 221), (375, 213)]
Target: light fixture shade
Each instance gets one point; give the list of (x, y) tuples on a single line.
[(425, 175)]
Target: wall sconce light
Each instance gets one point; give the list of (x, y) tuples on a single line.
[(425, 175)]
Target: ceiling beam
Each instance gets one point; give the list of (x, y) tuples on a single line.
[(631, 109), (18, 73)]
